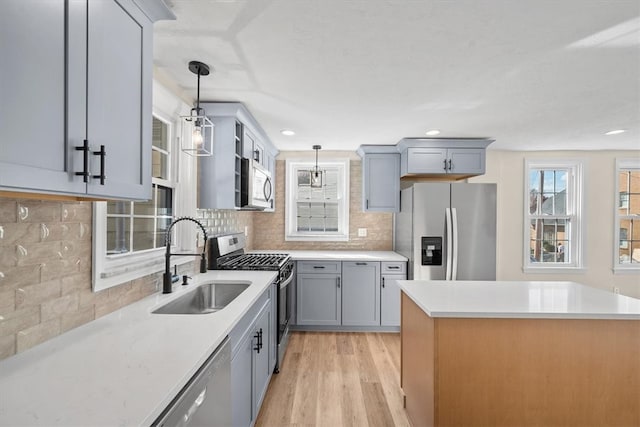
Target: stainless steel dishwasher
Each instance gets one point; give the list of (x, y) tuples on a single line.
[(206, 399)]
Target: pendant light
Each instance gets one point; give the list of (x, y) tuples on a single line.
[(197, 129), (316, 174)]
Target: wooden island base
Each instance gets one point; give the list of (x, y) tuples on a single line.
[(519, 372)]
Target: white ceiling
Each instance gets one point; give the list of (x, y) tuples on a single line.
[(533, 74)]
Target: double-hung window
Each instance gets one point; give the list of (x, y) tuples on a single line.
[(130, 236), (317, 212), (627, 216), (553, 235)]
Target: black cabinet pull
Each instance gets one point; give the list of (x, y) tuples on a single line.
[(367, 204), (394, 267), (257, 347), (445, 164), (383, 282), (361, 263), (318, 266), (338, 281), (102, 153), (85, 161), (450, 164), (260, 339)]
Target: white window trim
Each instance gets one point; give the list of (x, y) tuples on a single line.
[(290, 234), (621, 164), (578, 229), (109, 271)]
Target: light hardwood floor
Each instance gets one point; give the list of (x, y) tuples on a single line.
[(337, 379)]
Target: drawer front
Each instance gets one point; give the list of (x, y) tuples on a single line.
[(395, 267), (320, 267)]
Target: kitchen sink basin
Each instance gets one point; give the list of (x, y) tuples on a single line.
[(206, 298)]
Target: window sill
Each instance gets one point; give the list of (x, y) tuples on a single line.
[(131, 268), (626, 270), (316, 238), (554, 270)]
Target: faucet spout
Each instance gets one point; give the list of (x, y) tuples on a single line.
[(166, 278)]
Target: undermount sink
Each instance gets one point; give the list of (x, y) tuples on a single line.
[(206, 298)]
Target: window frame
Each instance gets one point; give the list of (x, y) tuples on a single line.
[(291, 233), (575, 215), (116, 269), (622, 164)]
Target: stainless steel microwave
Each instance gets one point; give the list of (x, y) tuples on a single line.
[(256, 186)]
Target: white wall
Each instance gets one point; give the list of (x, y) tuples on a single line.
[(506, 168)]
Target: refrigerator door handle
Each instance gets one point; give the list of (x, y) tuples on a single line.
[(454, 220), (449, 242)]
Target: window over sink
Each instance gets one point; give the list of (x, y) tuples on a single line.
[(317, 213)]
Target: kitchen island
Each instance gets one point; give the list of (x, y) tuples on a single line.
[(519, 353)]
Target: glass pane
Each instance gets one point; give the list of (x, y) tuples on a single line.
[(161, 231), (634, 204), (165, 201), (561, 181), (560, 203), (549, 240), (117, 235), (623, 182), (144, 208), (331, 210), (635, 251), (304, 178), (547, 203), (316, 224), (304, 192), (317, 193), (331, 224), (303, 223), (118, 208), (548, 180), (534, 181), (317, 210), (143, 233), (304, 209), (159, 165), (534, 198), (160, 134), (634, 180)]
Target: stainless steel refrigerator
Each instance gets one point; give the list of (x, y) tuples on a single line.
[(448, 231)]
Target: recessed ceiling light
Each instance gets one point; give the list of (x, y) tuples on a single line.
[(433, 132), (615, 132), (287, 132)]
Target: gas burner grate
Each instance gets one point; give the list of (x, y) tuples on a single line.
[(256, 262)]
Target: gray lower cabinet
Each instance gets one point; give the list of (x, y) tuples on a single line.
[(253, 340), (381, 182), (391, 272), (97, 88), (390, 299), (318, 294), (360, 293)]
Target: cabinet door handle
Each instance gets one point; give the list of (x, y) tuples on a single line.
[(394, 267), (383, 282), (260, 339), (257, 347), (367, 204), (85, 160), (318, 266), (361, 263), (338, 281), (102, 153), (450, 164), (445, 164)]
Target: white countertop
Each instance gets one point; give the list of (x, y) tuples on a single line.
[(341, 255), (543, 300), (122, 369)]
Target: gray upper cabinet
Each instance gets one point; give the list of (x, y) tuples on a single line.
[(455, 158), (360, 293), (237, 135), (381, 182), (96, 87)]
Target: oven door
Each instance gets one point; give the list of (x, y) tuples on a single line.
[(284, 307)]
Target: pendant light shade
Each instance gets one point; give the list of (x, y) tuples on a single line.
[(316, 174), (197, 130)]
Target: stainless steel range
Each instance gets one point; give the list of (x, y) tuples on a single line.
[(228, 253)]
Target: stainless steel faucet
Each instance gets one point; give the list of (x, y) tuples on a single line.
[(166, 278)]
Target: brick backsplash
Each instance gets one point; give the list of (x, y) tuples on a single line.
[(269, 227), (45, 273)]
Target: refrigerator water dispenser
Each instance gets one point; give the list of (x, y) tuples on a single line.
[(431, 250)]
